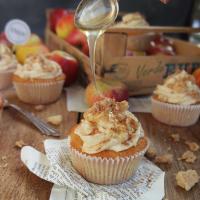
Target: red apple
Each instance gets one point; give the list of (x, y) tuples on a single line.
[(196, 75), (55, 15), (107, 88), (79, 40), (69, 64), (161, 46), (65, 25), (4, 40)]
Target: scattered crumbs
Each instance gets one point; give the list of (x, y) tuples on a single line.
[(39, 108), (151, 152), (4, 165), (188, 157), (4, 158), (193, 146), (175, 137), (169, 148), (55, 120), (187, 179), (20, 144), (164, 159)]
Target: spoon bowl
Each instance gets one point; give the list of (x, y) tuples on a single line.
[(96, 14)]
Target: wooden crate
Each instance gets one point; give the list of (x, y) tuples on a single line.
[(140, 73)]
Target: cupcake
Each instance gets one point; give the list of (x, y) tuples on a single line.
[(177, 101), (39, 80), (109, 143), (8, 64)]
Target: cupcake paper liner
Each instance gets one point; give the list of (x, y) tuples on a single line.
[(175, 115), (105, 170), (6, 79), (39, 93)]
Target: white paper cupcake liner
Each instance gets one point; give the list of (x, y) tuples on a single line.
[(105, 170), (175, 115), (39, 93), (6, 79)]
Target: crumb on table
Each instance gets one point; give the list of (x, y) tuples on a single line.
[(164, 159), (55, 120), (187, 179), (193, 146), (39, 107), (151, 152), (20, 144), (188, 157), (4, 158), (175, 137)]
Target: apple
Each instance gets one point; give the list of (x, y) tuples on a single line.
[(33, 40), (161, 46), (65, 25), (196, 75), (55, 15), (106, 88), (79, 40), (22, 52), (69, 64), (4, 40)]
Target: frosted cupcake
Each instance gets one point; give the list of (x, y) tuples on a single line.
[(177, 101), (8, 64), (39, 80), (109, 143)]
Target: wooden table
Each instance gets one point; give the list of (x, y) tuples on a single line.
[(17, 183)]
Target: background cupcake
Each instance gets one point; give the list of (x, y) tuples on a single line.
[(177, 101), (39, 80), (109, 143), (8, 64)]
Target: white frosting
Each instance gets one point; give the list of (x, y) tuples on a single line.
[(38, 67), (179, 88), (7, 59), (108, 125)]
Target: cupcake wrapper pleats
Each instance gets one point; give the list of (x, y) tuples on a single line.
[(175, 115), (105, 170), (39, 93)]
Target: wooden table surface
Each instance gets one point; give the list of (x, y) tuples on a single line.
[(17, 183)]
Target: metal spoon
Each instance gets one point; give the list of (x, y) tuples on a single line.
[(96, 14)]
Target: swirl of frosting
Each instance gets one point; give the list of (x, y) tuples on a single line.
[(108, 125), (179, 88), (38, 67), (7, 58)]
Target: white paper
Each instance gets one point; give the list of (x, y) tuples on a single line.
[(76, 101), (56, 167), (140, 104)]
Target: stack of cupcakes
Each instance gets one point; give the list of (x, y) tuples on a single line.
[(8, 64), (177, 101), (109, 143), (39, 80)]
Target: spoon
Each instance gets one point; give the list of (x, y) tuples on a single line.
[(96, 14)]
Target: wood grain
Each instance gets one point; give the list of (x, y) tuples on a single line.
[(16, 182), (154, 29), (159, 135)]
